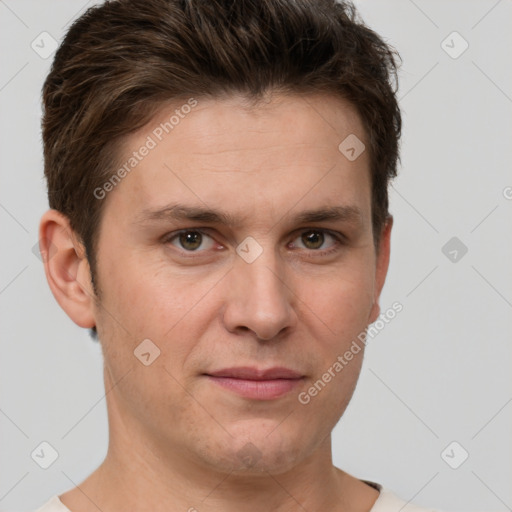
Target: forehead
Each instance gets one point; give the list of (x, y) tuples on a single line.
[(246, 157), (235, 124)]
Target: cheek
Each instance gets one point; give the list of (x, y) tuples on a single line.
[(341, 301), (150, 299), (328, 393)]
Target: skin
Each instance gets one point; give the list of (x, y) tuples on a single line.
[(176, 437)]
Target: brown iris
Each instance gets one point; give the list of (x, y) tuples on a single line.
[(313, 239), (190, 240)]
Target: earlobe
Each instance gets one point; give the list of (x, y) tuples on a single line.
[(67, 269), (382, 264)]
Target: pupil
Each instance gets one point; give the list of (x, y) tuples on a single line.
[(190, 240), (313, 239)]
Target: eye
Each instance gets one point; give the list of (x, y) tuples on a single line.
[(316, 239), (191, 240)]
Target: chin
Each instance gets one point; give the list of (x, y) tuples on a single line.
[(258, 453)]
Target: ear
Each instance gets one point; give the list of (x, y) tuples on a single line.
[(67, 269), (382, 264)]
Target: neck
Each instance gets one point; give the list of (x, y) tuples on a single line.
[(133, 477), (143, 473)]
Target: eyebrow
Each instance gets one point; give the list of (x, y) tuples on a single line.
[(180, 212)]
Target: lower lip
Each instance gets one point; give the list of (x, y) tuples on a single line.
[(257, 389)]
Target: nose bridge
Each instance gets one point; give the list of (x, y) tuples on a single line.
[(261, 301), (266, 279)]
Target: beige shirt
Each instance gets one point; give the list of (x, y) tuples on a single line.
[(386, 502)]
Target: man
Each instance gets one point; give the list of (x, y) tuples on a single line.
[(217, 173)]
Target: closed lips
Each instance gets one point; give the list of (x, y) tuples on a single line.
[(247, 373)]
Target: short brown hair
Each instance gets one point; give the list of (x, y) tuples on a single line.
[(121, 60)]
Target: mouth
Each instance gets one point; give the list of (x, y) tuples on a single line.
[(257, 384)]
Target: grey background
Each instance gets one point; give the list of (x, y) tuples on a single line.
[(439, 372)]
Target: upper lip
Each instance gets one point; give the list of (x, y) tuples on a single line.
[(249, 373)]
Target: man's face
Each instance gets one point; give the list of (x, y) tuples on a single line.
[(293, 295)]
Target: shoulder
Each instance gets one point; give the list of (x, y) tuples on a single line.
[(388, 501), (53, 505)]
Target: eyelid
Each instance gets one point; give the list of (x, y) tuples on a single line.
[(335, 234), (339, 238), (169, 237)]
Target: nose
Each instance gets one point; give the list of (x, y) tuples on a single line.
[(258, 298)]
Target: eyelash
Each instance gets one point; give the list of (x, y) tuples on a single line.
[(339, 238)]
